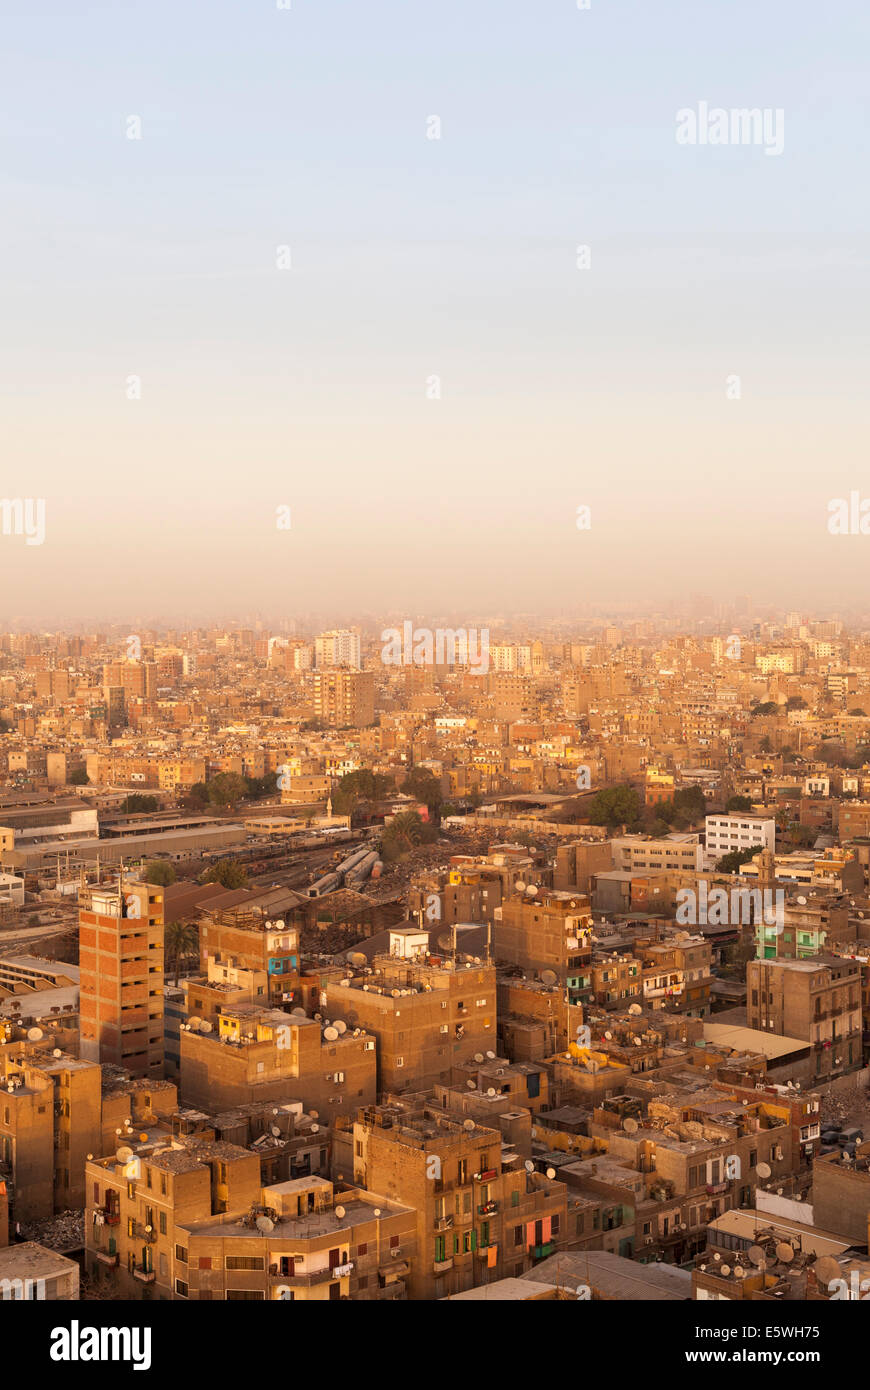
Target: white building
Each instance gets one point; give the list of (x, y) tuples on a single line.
[(726, 833), (338, 648)]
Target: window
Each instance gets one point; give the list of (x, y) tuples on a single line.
[(518, 1235), (246, 1295), (362, 1250), (400, 1061), (96, 1194), (181, 1288), (181, 1254), (163, 1223), (394, 1242), (244, 1262)]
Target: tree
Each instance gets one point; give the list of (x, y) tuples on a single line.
[(161, 872), (768, 707), (79, 778), (197, 797), (229, 873), (180, 942), (730, 863), (360, 785), (425, 786), (738, 803), (796, 702), (136, 801), (258, 787), (856, 711), (226, 789), (614, 806), (404, 832)]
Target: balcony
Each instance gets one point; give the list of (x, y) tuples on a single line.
[(442, 1266), (486, 1176), (714, 1189), (487, 1208), (107, 1257), (540, 1252), (391, 1292), (307, 1279), (445, 1223), (111, 1216), (145, 1276)]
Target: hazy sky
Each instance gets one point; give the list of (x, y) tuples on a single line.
[(412, 258)]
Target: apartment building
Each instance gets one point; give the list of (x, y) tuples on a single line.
[(726, 833), (634, 853), (677, 974), (426, 1013), (248, 940), (547, 931), (121, 976), (818, 1000), (343, 698), (338, 648), (477, 1220), (257, 1054)]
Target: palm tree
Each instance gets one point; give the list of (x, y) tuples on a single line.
[(181, 941)]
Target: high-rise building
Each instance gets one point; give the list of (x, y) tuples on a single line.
[(337, 648), (121, 981), (344, 699)]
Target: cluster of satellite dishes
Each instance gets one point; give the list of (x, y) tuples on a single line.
[(196, 1025)]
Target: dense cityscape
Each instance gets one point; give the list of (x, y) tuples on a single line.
[(505, 964)]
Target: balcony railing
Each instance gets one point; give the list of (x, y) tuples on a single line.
[(145, 1276)]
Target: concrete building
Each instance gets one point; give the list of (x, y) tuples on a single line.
[(547, 932), (426, 1013), (725, 833), (257, 1054), (121, 979), (818, 1000), (32, 1272), (478, 1217), (344, 699)]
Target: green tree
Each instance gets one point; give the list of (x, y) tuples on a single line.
[(614, 806), (137, 801), (160, 871), (229, 873), (730, 863), (426, 787), (197, 797), (79, 778), (180, 943), (226, 789), (404, 832), (738, 803)]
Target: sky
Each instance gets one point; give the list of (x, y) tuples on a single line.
[(433, 385)]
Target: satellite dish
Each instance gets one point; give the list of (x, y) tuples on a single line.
[(265, 1224), (802, 900), (377, 1211), (549, 977), (90, 1156), (826, 1271), (57, 1052), (630, 1125), (472, 1085), (531, 891), (490, 1091), (205, 1026), (314, 1114), (478, 1056), (357, 958), (315, 1129), (520, 885), (608, 1035), (725, 1269), (638, 1042), (756, 1254), (330, 1034), (340, 1212), (340, 1026), (763, 1170), (34, 1034), (529, 1166), (739, 1272), (551, 1172), (635, 1009), (784, 1252), (143, 1138), (275, 1132), (298, 1013), (491, 1056), (468, 1124), (124, 1154), (194, 1021)]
